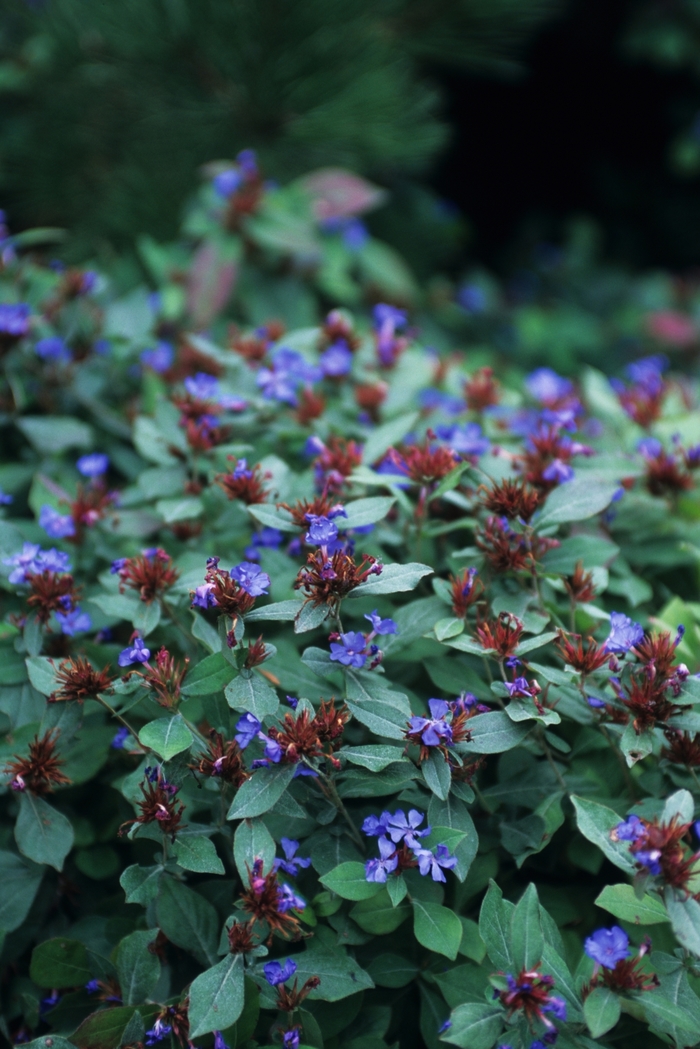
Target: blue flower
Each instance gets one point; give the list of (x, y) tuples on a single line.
[(434, 863), (267, 538), (647, 372), (251, 578), (202, 596), (53, 348), (290, 865), (289, 370), (74, 622), (137, 653), (288, 901), (444, 1026), (157, 1033), (290, 1038), (120, 738), (400, 828), (373, 826), (14, 319), (93, 465), (377, 870), (202, 386), (6, 499), (322, 531), (546, 386), (92, 985), (624, 634), (650, 448), (219, 1042), (433, 730), (631, 829), (247, 728), (48, 1003), (56, 525), (558, 471), (607, 947), (160, 358), (519, 687), (351, 649), (336, 360), (556, 1006), (227, 182), (467, 439), (379, 625), (276, 973)]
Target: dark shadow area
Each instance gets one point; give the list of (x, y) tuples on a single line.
[(584, 131)]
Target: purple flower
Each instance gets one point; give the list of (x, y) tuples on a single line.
[(649, 858), (556, 1006), (157, 1033), (607, 947), (266, 538), (251, 578), (631, 829), (23, 563), (57, 526), (647, 372), (219, 1042), (241, 469), (594, 702), (465, 440), (92, 985), (546, 386), (74, 622), (377, 870), (288, 901), (519, 687), (650, 448), (293, 701), (52, 560), (435, 729), (247, 728), (351, 649), (290, 865), (202, 596), (558, 471), (6, 499), (202, 386), (373, 826), (434, 863), (227, 182), (120, 738), (117, 565), (336, 360), (379, 625), (160, 358), (48, 1003), (276, 973), (385, 316), (400, 828), (624, 634), (290, 1038), (322, 530), (289, 370), (53, 348), (472, 298), (444, 1026), (14, 318), (93, 465), (137, 653)]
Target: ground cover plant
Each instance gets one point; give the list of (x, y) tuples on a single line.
[(347, 687)]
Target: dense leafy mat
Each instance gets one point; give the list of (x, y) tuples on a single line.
[(346, 692)]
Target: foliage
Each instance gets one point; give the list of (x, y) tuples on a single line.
[(237, 569), (139, 98)]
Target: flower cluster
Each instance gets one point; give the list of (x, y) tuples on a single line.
[(400, 847)]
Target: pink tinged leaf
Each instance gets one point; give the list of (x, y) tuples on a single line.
[(210, 283), (337, 193)]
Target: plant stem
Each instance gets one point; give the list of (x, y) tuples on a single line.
[(329, 789)]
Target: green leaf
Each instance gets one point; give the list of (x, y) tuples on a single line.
[(622, 901), (197, 853), (166, 736), (397, 889), (103, 1028), (309, 617), (146, 617), (182, 508), (454, 814), (271, 517), (391, 970), (393, 579), (20, 882), (383, 437), (374, 757), (251, 692), (141, 883), (259, 793), (210, 675), (42, 674), (138, 968), (680, 805), (117, 606), (531, 643), (362, 512), (576, 500), (437, 928), (216, 997), (53, 434), (283, 611), (252, 841), (340, 974), (494, 927), (188, 920), (437, 774), (59, 963), (475, 1025), (349, 881), (378, 916), (685, 918), (42, 834), (596, 822), (495, 732), (526, 935), (449, 481), (601, 1010), (448, 627), (384, 712), (205, 632)]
